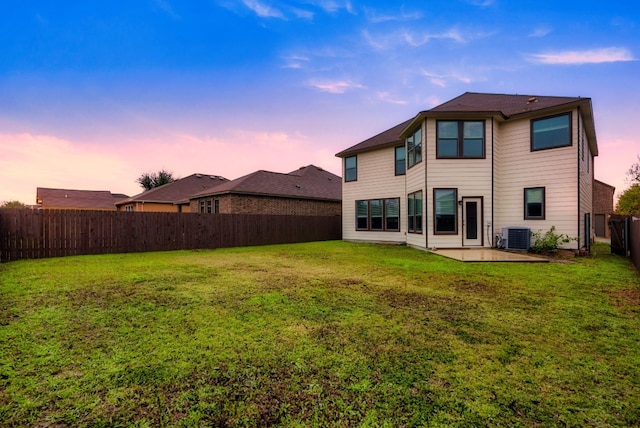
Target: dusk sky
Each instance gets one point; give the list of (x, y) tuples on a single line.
[(95, 93)]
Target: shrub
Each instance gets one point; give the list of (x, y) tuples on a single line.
[(550, 242)]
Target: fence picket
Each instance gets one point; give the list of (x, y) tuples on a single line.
[(30, 234)]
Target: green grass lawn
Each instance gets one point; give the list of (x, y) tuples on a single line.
[(318, 334)]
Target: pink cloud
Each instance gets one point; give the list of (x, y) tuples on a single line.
[(30, 161)]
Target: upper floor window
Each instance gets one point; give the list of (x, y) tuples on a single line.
[(460, 139), (534, 203), (414, 148), (350, 168), (551, 132), (401, 160)]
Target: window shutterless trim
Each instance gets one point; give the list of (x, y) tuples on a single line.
[(415, 220), (455, 210), (385, 215), (543, 208), (570, 138), (354, 169), (412, 159), (404, 161), (460, 139)]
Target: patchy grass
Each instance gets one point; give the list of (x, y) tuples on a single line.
[(319, 334)]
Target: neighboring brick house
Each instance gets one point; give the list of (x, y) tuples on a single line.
[(70, 199), (602, 207), (478, 170), (309, 190), (171, 197)]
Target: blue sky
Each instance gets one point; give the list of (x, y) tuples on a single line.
[(94, 93)]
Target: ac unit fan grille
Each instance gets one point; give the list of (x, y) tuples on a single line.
[(517, 238)]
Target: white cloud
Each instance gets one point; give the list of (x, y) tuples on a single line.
[(593, 56), (377, 44), (452, 34), (335, 87), (165, 6), (540, 31), (377, 17), (388, 98), (442, 80), (263, 10), (482, 3), (302, 14), (295, 61), (332, 6)]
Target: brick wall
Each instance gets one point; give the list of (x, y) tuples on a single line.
[(603, 204), (254, 204), (603, 198)]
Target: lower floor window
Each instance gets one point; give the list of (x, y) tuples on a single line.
[(414, 212), (445, 211), (378, 214), (534, 203)]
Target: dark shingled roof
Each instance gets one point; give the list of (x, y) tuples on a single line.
[(308, 182), (77, 199), (387, 138), (470, 103), (178, 190), (505, 105)]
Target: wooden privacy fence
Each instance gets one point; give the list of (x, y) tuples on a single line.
[(31, 234), (625, 237), (634, 232)]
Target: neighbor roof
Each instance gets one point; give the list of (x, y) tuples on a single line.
[(503, 106), (308, 182), (177, 190), (77, 199)]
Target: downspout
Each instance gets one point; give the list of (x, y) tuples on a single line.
[(579, 193), (425, 213), (493, 201)]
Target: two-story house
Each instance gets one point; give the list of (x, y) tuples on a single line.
[(477, 171)]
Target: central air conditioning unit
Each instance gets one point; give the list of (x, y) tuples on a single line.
[(516, 238)]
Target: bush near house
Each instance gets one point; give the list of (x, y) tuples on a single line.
[(549, 242), (318, 334)]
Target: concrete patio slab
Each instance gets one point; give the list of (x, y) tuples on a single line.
[(486, 255)]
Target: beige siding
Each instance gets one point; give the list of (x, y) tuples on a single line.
[(585, 162), (553, 169), (416, 182), (376, 180), (471, 178), (497, 180)]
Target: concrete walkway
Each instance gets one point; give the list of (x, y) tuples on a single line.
[(487, 255)]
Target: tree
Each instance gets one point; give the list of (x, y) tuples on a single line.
[(149, 180), (13, 204), (634, 172), (629, 202)]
